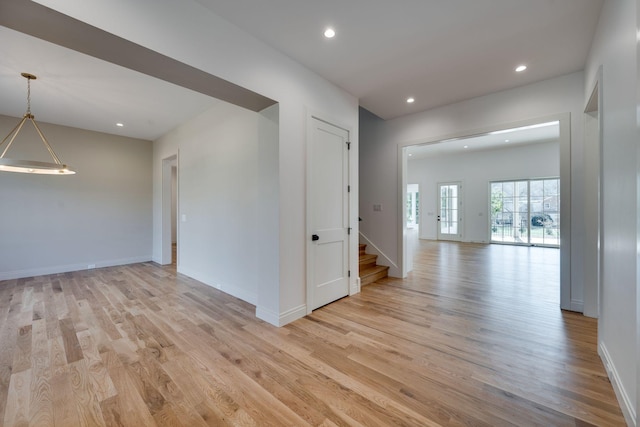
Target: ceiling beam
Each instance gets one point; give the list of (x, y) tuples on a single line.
[(47, 24)]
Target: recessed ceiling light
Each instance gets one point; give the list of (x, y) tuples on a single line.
[(506, 140), (466, 146), (120, 125), (329, 33), (411, 100), (520, 68), (410, 154)]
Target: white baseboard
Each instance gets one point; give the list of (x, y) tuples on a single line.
[(577, 306), (628, 408), (236, 291), (355, 287), (56, 269), (268, 316), (281, 319), (293, 314)]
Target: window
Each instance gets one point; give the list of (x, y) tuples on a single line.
[(526, 211)]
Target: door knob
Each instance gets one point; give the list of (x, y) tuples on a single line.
[(315, 237)]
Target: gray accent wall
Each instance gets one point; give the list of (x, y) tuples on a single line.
[(101, 216)]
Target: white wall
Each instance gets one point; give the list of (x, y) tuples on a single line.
[(100, 216), (218, 195), (475, 170), (190, 33), (614, 48), (638, 224)]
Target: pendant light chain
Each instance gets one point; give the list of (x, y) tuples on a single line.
[(29, 96)]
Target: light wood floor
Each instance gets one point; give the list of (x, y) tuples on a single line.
[(473, 337)]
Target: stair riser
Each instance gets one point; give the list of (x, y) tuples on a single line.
[(374, 277), (364, 265)]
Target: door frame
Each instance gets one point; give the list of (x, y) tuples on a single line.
[(165, 247), (564, 120), (352, 240), (593, 201)]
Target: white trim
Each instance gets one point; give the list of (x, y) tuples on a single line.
[(233, 290), (355, 287), (56, 269), (393, 267), (292, 314), (593, 243), (268, 316), (626, 405), (281, 319), (577, 306)]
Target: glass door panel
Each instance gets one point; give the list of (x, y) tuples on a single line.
[(526, 212), (449, 211)]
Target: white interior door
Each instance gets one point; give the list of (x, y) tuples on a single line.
[(328, 214), (449, 211)]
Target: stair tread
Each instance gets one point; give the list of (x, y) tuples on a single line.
[(373, 270), (367, 257)]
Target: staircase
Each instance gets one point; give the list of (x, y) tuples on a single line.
[(369, 270)]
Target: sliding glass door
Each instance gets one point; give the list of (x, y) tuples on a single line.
[(525, 212)]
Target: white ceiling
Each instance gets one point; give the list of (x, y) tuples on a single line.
[(534, 134), (77, 90), (436, 51)]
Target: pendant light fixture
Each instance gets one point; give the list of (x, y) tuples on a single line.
[(30, 166)]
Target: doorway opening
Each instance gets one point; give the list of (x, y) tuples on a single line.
[(169, 209), (500, 146), (413, 222)]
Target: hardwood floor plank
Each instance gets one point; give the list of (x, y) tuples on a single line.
[(249, 360), (18, 400), (261, 405), (127, 408), (72, 348), (87, 403), (57, 357), (473, 336), (99, 377), (41, 404), (22, 353), (112, 412), (7, 339), (199, 391)]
